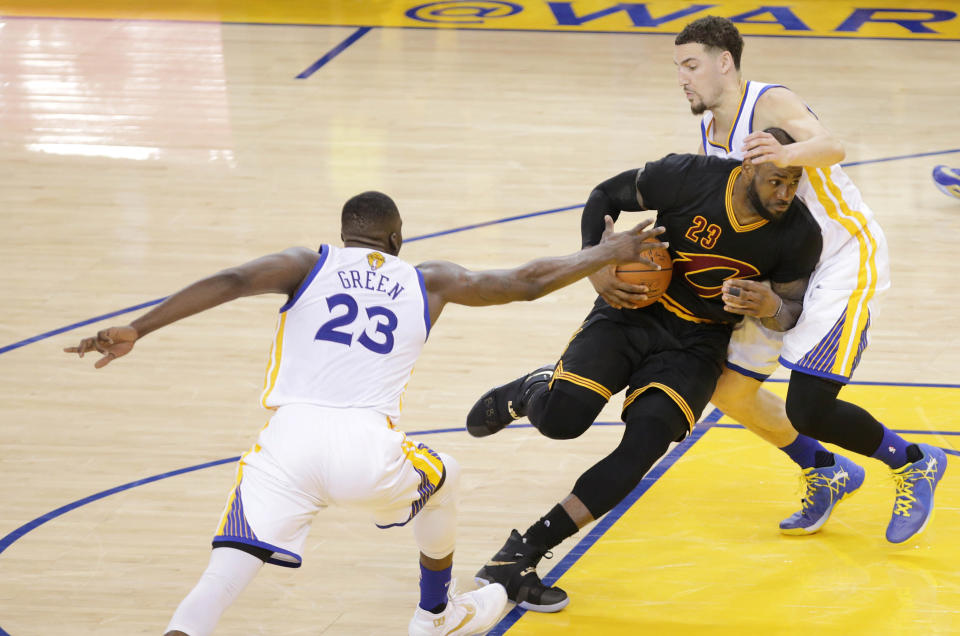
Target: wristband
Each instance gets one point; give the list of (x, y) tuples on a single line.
[(777, 313)]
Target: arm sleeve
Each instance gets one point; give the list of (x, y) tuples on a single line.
[(661, 182), (611, 197)]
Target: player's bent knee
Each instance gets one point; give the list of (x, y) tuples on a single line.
[(803, 415), (733, 391), (434, 527), (567, 414), (451, 481)]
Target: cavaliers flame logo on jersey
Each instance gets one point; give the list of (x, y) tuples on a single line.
[(375, 260), (706, 272)]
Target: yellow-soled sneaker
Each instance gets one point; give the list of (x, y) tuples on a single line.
[(915, 483), (825, 488)]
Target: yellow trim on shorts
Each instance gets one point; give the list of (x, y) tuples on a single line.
[(579, 380), (559, 366), (857, 312), (233, 493), (671, 393), (273, 366), (852, 334), (680, 311), (423, 460), (575, 334)]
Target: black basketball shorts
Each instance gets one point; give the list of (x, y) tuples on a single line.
[(645, 349)]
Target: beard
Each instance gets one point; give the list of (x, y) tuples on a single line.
[(754, 198), (698, 108)]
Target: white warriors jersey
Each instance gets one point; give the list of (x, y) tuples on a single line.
[(350, 335), (833, 199)]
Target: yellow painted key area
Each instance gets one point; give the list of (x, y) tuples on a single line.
[(700, 551)]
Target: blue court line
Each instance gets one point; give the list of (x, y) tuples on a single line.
[(8, 540), (45, 335), (925, 385), (711, 421), (898, 158), (899, 431), (620, 509), (597, 32), (708, 422), (559, 570), (149, 303), (507, 219), (334, 52), (607, 521), (449, 27), (473, 226)]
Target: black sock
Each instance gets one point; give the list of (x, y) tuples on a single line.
[(913, 453), (824, 459), (551, 529)]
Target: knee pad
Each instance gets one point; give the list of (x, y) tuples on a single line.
[(567, 412), (229, 572), (802, 415), (435, 526), (657, 417), (809, 400)]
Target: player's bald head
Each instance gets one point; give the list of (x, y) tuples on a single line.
[(371, 217)]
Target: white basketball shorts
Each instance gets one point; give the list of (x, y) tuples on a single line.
[(831, 335), (309, 457)]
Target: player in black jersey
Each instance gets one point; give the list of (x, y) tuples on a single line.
[(729, 226)]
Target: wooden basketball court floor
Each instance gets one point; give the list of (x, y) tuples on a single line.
[(143, 147)]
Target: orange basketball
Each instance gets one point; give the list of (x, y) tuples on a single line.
[(656, 280)]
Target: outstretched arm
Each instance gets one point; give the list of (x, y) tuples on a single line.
[(278, 273), (449, 282), (816, 146)]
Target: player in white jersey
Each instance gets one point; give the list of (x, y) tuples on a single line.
[(824, 348), (347, 338)]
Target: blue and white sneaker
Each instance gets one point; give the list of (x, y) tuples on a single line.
[(915, 482), (825, 488), (947, 180)]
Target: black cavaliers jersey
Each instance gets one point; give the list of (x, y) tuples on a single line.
[(692, 195)]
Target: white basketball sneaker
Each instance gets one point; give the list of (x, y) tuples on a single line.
[(469, 613)]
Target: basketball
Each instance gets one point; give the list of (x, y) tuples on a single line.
[(656, 280)]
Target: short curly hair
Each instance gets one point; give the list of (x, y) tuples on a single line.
[(716, 33), (369, 212)]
